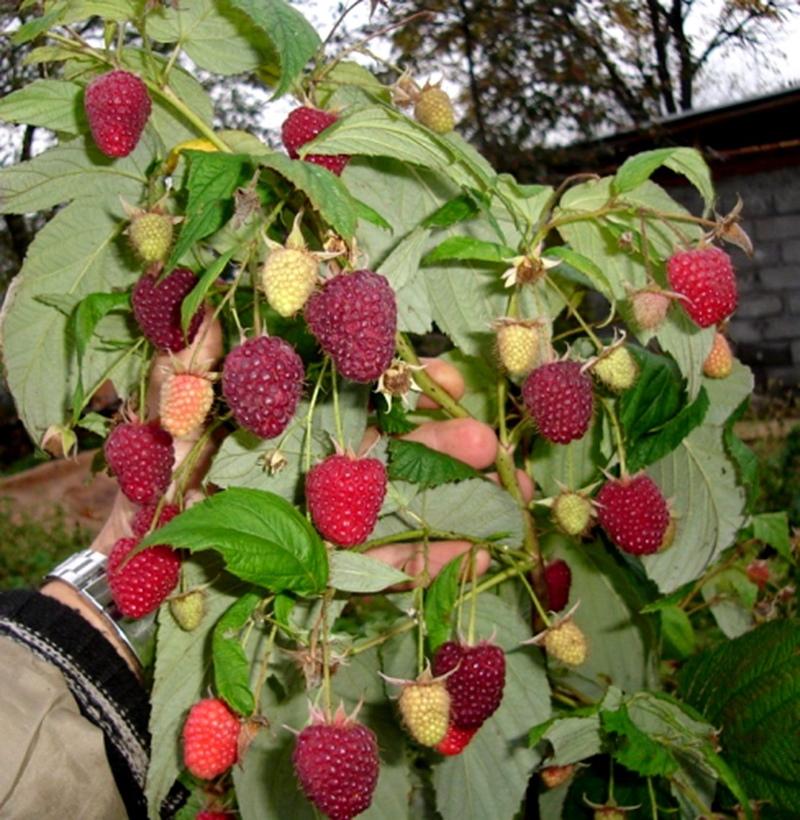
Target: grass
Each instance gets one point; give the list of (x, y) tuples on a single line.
[(29, 546)]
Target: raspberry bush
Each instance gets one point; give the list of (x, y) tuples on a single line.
[(326, 260)]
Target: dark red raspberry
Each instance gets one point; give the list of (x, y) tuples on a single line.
[(337, 765), (633, 513), (455, 741), (706, 278), (558, 578), (117, 107), (301, 126), (344, 497), (476, 685), (141, 457), (354, 317), (262, 380), (143, 519), (157, 309), (144, 582), (560, 399)]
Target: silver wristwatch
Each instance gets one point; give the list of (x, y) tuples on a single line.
[(85, 572)]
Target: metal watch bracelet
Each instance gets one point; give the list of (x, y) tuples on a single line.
[(85, 572)]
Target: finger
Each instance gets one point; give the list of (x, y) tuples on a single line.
[(470, 441), (446, 375), (524, 482), (116, 526), (410, 558)]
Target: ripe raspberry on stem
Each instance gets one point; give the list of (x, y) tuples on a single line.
[(560, 399), (117, 108), (139, 585), (141, 456), (705, 277), (301, 126), (210, 738), (157, 308)]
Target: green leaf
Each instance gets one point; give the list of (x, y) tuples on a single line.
[(677, 632), (195, 298), (31, 29), (350, 82), (459, 209), (749, 688), (746, 461), (489, 778), (213, 177), (401, 266), (393, 419), (231, 664), (731, 596), (364, 212), (636, 750), (689, 345), (773, 529), (418, 464), (687, 161), (262, 538), (586, 266), (664, 440), (216, 36), (294, 38), (326, 192), (53, 104), (467, 247), (440, 600), (353, 572), (88, 313)]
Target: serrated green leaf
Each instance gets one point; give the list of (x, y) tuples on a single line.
[(393, 419), (364, 212), (53, 104), (459, 209), (597, 279), (467, 247), (418, 464), (293, 37), (687, 161), (212, 179), (636, 750), (192, 302), (95, 423), (353, 572), (731, 596), (439, 602), (749, 688), (401, 266), (31, 29), (773, 529), (667, 600), (349, 76), (326, 192), (677, 632), (262, 538), (689, 345), (231, 664), (88, 313)]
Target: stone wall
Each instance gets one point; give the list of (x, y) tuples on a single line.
[(766, 327)]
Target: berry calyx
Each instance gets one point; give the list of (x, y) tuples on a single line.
[(434, 110), (634, 514), (475, 683), (719, 362), (565, 642), (210, 738), (337, 764), (559, 397), (573, 513), (558, 580), (344, 496), (354, 318), (140, 585), (157, 309), (706, 279), (424, 705), (455, 741), (301, 126), (262, 380), (117, 108), (141, 457), (184, 402)]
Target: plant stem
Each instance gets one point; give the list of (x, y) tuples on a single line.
[(337, 415), (615, 425), (653, 804), (264, 667), (167, 94), (310, 415), (428, 386), (576, 315)]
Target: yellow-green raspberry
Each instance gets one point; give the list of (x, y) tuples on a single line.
[(617, 369), (566, 643), (425, 708), (573, 513), (150, 234), (518, 346), (719, 363), (288, 277), (188, 609), (434, 110)]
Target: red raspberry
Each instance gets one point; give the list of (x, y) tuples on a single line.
[(207, 814), (633, 513), (117, 107), (142, 584), (143, 519), (706, 278), (476, 685), (344, 497), (210, 738), (455, 741), (301, 126), (354, 317), (559, 397), (558, 578), (157, 309), (262, 380), (141, 457), (337, 765)]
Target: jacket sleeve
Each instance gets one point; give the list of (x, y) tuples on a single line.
[(75, 741)]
